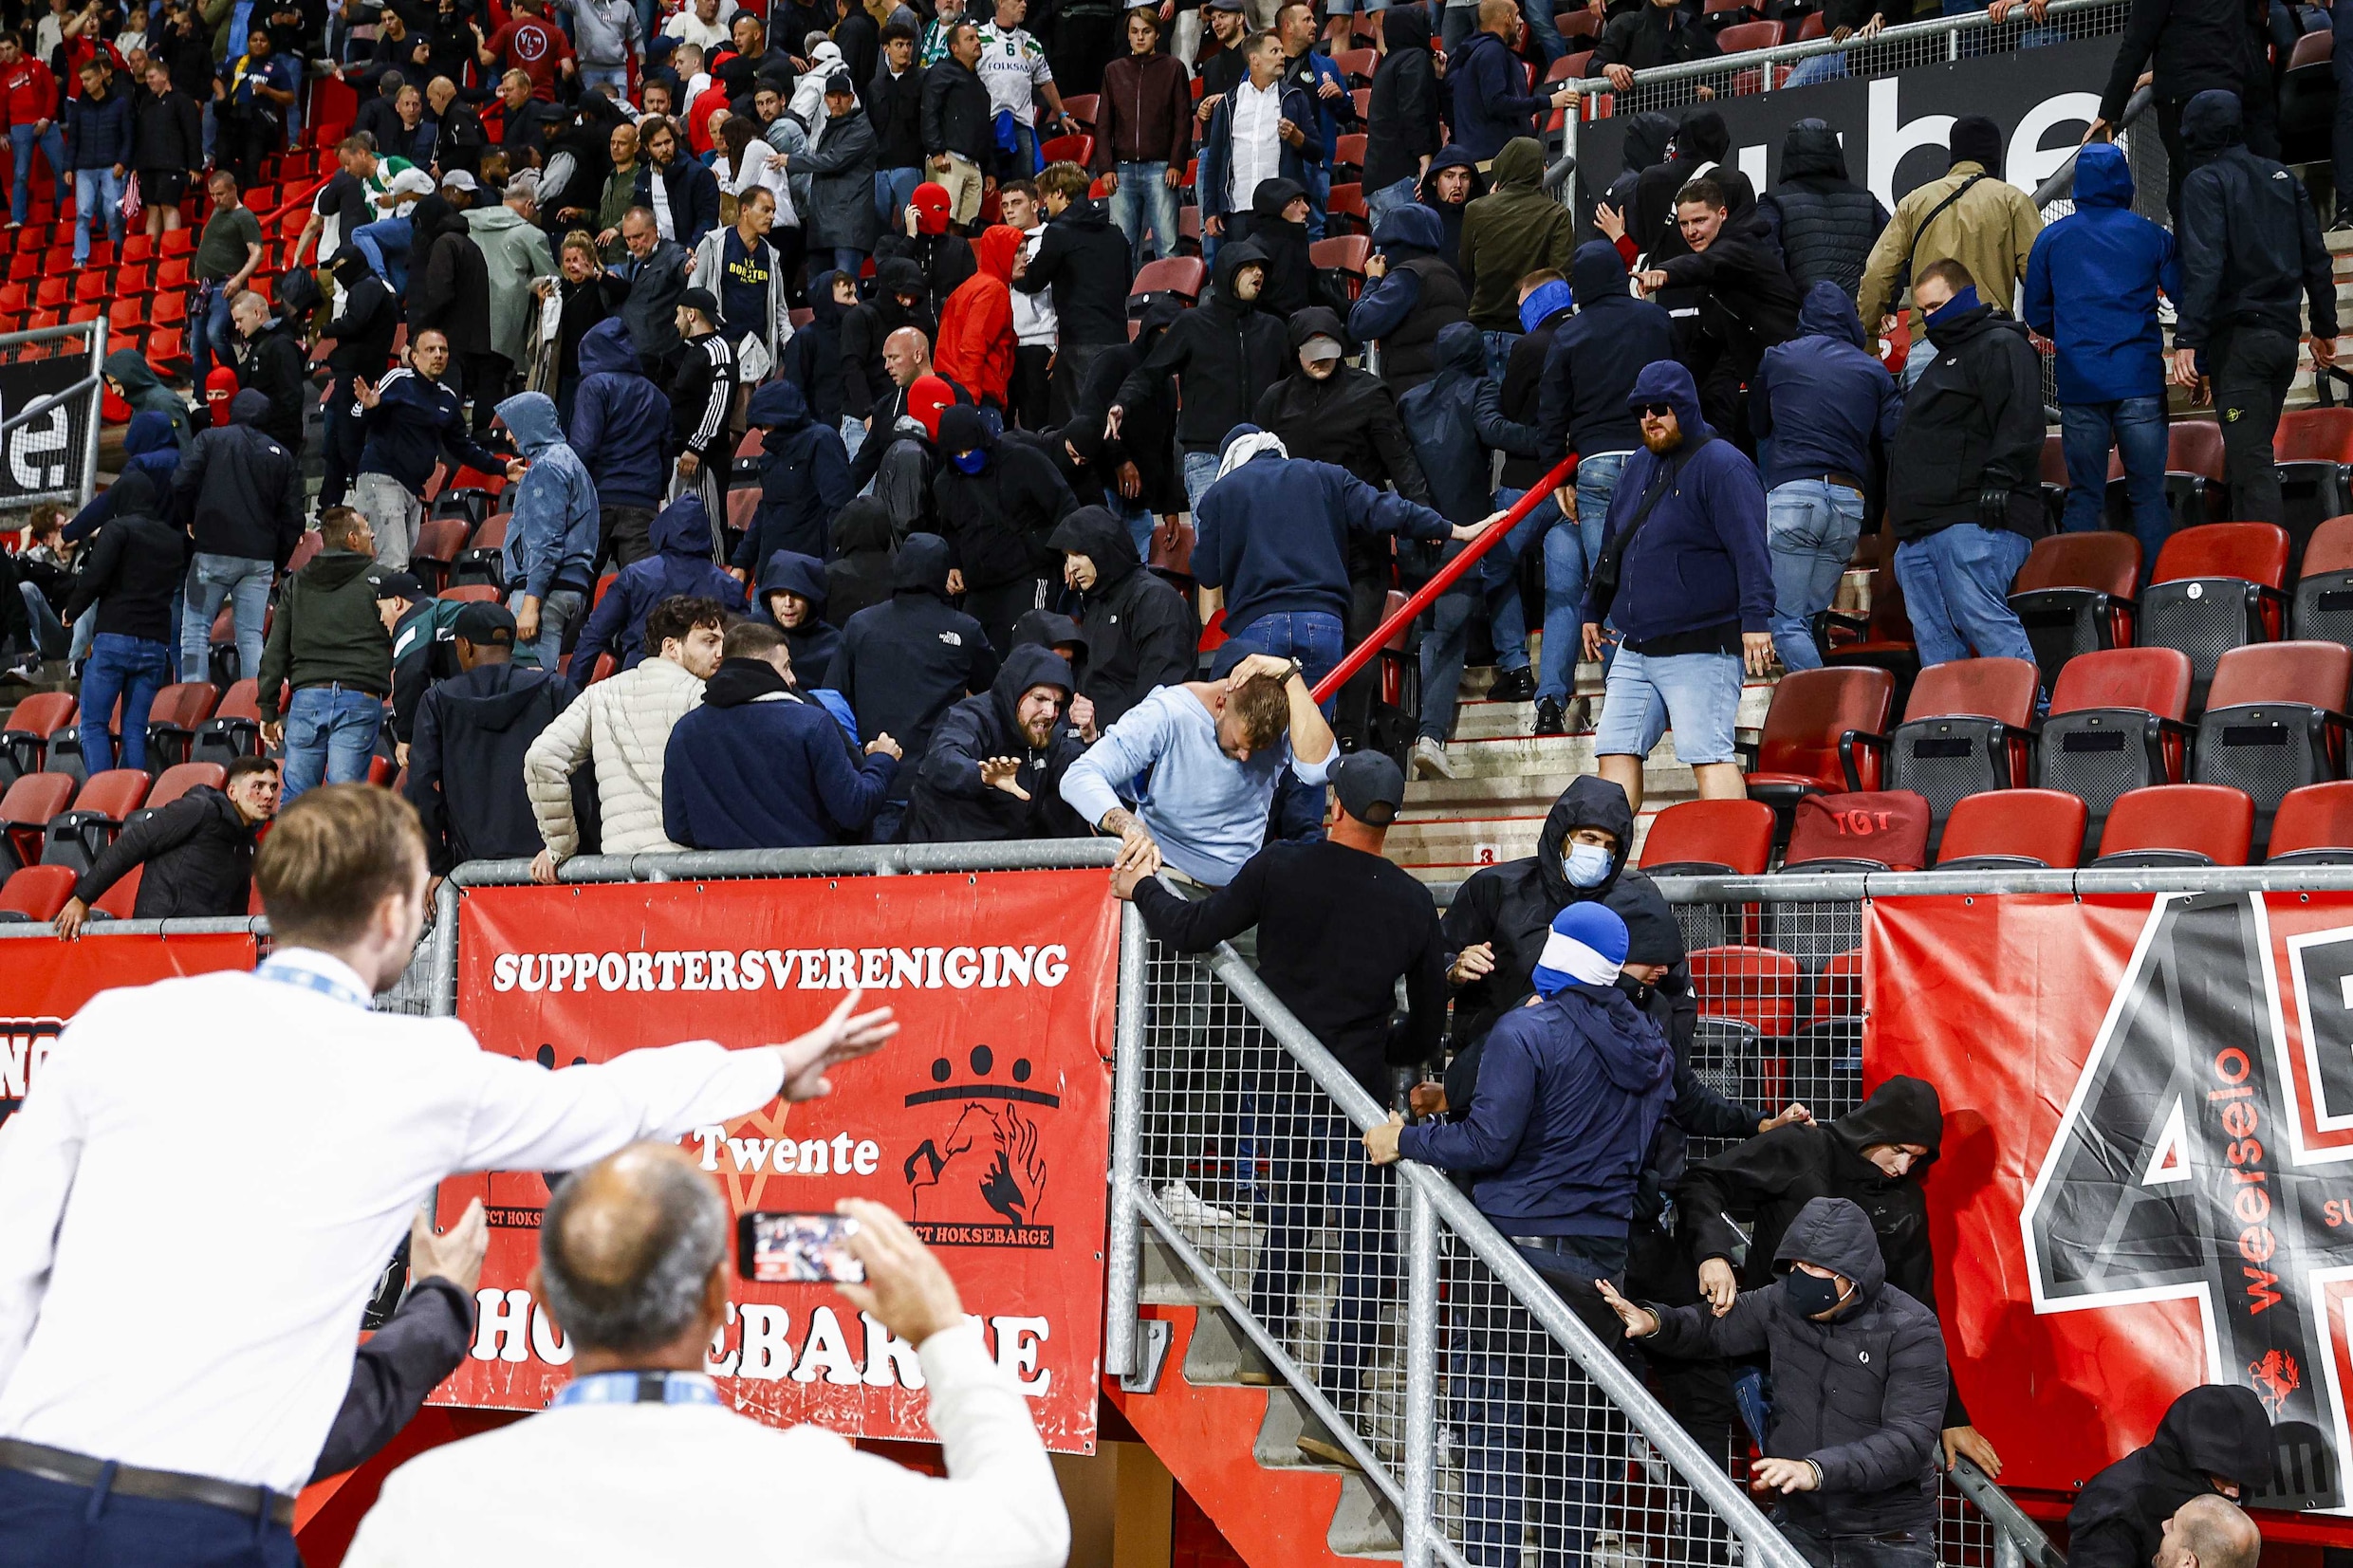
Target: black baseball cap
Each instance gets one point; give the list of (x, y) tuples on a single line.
[(400, 585), (1372, 788), (485, 625), (702, 300)]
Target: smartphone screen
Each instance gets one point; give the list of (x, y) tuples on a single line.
[(773, 1248)]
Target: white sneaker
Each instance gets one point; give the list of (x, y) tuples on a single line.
[(1429, 760), (1183, 1205)]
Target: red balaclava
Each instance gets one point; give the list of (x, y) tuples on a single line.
[(220, 387), (927, 397), (931, 206)]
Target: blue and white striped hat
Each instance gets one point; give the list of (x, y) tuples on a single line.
[(1587, 945)]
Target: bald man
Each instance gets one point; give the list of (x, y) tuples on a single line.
[(907, 357), (2208, 1532), (640, 1445)]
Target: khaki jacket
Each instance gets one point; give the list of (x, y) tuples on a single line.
[(1989, 231)]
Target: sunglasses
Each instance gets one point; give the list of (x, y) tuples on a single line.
[(1656, 411)]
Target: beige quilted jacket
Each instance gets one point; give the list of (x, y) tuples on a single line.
[(622, 725)]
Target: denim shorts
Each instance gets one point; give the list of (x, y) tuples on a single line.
[(1697, 694)]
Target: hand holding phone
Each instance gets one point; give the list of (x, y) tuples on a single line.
[(789, 1248)]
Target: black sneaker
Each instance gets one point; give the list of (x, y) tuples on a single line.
[(1512, 686), (1549, 719)]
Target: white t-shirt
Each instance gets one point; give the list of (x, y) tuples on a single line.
[(1012, 66)]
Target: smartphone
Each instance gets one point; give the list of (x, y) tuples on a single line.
[(783, 1249)]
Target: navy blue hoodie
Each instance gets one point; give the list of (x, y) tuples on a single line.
[(1491, 98), (758, 767), (1571, 1089), (1595, 354), (1819, 399), (812, 643), (1700, 563), (2108, 263), (804, 478), (619, 420), (1442, 419), (680, 565)]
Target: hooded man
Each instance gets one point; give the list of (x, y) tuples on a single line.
[(1820, 407), (1745, 301), (450, 291), (131, 378), (1981, 220), (899, 302), (1874, 1156), (1826, 223), (2214, 1441), (1080, 261), (367, 317), (240, 494), (1277, 224), (804, 473), (1141, 634), (1147, 436), (814, 359), (129, 578), (977, 336), (860, 573), (551, 537), (1658, 33), (792, 596), (1573, 1086), (759, 766), (1686, 580), (1851, 1450), (1516, 228), (620, 421), (2092, 282), (994, 768), (1411, 292), (1448, 186), (679, 566), (1648, 137), (997, 503), (2249, 245), (903, 662), (472, 731), (1964, 501), (1401, 118), (272, 361), (1223, 354)]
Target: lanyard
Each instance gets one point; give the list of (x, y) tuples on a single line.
[(310, 980), (639, 1388)]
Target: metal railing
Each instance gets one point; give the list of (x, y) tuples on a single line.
[(73, 411)]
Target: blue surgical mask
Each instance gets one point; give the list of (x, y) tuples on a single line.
[(969, 462), (1587, 865), (1811, 1294)]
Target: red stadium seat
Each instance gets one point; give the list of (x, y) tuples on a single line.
[(1578, 23), (234, 728), (473, 593), (483, 560), (1345, 205), (2115, 725), (1745, 37), (1881, 641), (2216, 588), (51, 293), (2312, 449), (180, 778), (171, 272), (77, 836), (1077, 149), (180, 711), (1964, 731), (743, 505), (25, 740), (2013, 829), (1710, 838), (2193, 475), (2187, 824), (1753, 986), (306, 548), (2313, 827), (1081, 108), (1824, 732), (36, 893), (121, 902), (2323, 608), (2075, 593), (439, 542), (25, 810), (1180, 275), (1358, 65), (1349, 151), (2274, 721)]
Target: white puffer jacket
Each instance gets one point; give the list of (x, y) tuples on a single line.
[(623, 725)]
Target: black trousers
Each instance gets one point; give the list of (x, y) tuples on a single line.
[(56, 1525), (624, 536), (2250, 368), (998, 606), (1030, 392), (485, 376), (1368, 594)]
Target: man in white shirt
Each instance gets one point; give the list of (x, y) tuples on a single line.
[(1012, 66), (272, 1124), (639, 1461), (1256, 128)]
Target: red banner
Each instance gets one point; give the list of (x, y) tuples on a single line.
[(45, 983), (2148, 1108), (986, 1121)]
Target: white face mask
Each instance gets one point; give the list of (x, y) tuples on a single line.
[(1586, 865)]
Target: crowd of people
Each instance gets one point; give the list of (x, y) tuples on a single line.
[(853, 497)]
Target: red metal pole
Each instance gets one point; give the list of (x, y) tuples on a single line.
[(1364, 652)]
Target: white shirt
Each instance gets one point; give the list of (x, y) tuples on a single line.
[(658, 194), (269, 1145), (1034, 323), (640, 1486), (1257, 148), (690, 28), (1012, 66)]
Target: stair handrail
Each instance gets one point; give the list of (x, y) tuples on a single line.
[(1432, 1201), (1445, 577)]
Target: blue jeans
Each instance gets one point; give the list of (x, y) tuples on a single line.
[(97, 192), (1498, 352), (1955, 587), (1388, 198), (245, 583), (130, 667), (1810, 527), (208, 339), (1820, 68), (1022, 162), (330, 735), (853, 436), (1570, 550), (52, 145), (1200, 473), (557, 611), (1699, 694), (1318, 184), (893, 190), (1312, 1161), (593, 77), (48, 633), (1312, 637), (1493, 585), (385, 243), (1146, 204), (2136, 426)]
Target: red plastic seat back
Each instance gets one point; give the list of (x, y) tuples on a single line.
[(32, 799), (1838, 990), (439, 540), (184, 705), (2255, 551), (1737, 834), (2054, 464), (114, 794), (242, 702), (1743, 36), (2313, 673), (2106, 561), (2040, 824), (2316, 817), (2210, 819), (1181, 275), (472, 593), (38, 891), (44, 713), (1755, 986), (1811, 709), (2330, 548), (492, 534), (180, 778), (2195, 446), (2314, 436), (1988, 688), (2154, 680), (121, 900)]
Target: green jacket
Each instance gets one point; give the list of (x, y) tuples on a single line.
[(1514, 229), (327, 629)]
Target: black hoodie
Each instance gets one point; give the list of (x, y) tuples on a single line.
[(1141, 634), (860, 573), (466, 762), (1225, 353), (1973, 429), (1701, 143), (997, 520), (2213, 1429), (1772, 1176), (1645, 147), (1292, 282), (863, 381), (2249, 243), (1086, 261), (944, 260), (449, 282), (813, 360), (903, 663), (134, 570), (813, 642), (1450, 213), (1826, 223), (1148, 427), (1349, 417), (1402, 118), (1511, 905), (949, 805)]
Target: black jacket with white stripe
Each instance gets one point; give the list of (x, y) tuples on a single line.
[(700, 395)]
